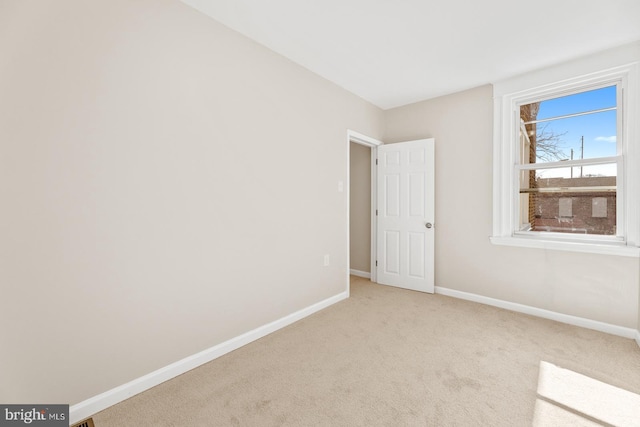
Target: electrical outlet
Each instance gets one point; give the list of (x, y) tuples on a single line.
[(326, 260)]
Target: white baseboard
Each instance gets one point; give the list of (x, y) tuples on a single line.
[(109, 398), (546, 314), (360, 273)]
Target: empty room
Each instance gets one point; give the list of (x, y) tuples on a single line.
[(349, 213)]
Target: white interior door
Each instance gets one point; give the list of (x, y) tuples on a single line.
[(405, 234)]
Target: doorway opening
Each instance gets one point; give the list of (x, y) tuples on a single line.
[(361, 202)]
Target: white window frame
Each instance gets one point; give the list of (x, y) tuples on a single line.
[(618, 66), (564, 89)]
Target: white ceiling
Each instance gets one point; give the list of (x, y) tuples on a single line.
[(395, 52)]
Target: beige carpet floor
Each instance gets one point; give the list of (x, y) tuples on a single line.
[(391, 357)]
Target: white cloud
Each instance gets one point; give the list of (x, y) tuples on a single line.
[(606, 138)]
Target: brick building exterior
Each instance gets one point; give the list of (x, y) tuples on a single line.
[(592, 210)]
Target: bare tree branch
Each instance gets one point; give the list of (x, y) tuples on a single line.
[(548, 145), (545, 144)]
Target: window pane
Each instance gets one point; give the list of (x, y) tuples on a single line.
[(547, 135), (582, 137), (591, 171), (578, 200), (580, 102)]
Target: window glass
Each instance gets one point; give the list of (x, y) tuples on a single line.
[(579, 200), (554, 133), (590, 100)]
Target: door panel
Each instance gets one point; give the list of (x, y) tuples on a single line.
[(405, 207), (392, 252)]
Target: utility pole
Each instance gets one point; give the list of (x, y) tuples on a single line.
[(581, 152), (572, 166)]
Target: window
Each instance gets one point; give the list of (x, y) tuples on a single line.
[(570, 155), (566, 161)]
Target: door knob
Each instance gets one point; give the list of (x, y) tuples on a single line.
[(428, 225)]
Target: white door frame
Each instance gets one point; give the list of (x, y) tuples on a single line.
[(358, 138)]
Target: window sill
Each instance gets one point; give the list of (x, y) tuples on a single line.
[(593, 248)]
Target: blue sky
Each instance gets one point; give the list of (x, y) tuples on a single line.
[(599, 130)]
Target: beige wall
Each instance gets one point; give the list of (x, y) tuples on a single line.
[(166, 185), (360, 208), (598, 287)]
